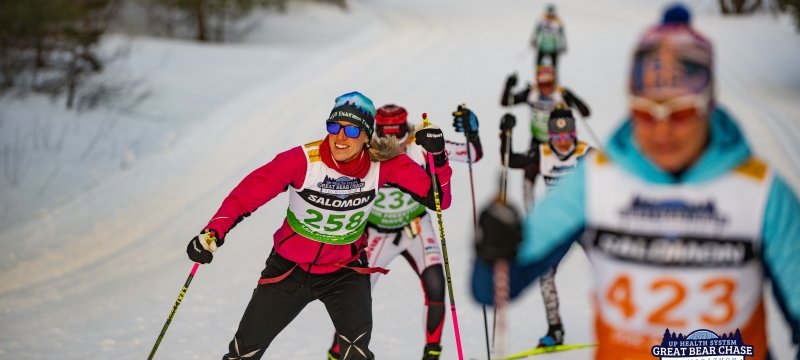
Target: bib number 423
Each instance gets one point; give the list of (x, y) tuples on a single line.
[(620, 295)]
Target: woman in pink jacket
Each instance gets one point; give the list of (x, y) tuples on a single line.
[(318, 252)]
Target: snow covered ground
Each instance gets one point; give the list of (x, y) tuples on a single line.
[(96, 208)]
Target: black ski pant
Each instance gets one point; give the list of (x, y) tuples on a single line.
[(540, 59), (345, 293)]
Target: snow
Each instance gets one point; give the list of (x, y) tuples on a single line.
[(96, 208)]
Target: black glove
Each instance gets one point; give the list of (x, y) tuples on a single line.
[(574, 101), (499, 233), (431, 139), (464, 120), (511, 81), (202, 247), (508, 122)]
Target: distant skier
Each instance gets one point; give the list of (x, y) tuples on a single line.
[(548, 40), (542, 98), (319, 251), (682, 223), (398, 225), (554, 159)]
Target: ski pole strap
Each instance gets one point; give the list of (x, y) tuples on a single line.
[(363, 270), (360, 270), (357, 266), (276, 279)]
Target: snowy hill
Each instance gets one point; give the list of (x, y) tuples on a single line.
[(96, 209)]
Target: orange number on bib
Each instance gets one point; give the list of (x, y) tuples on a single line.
[(620, 294), (725, 300), (661, 315)]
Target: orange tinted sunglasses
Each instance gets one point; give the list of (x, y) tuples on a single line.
[(677, 111)]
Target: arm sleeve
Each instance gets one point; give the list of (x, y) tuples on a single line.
[(518, 160), (259, 187), (557, 221), (574, 102), (781, 237), (457, 151), (408, 176), (518, 98)]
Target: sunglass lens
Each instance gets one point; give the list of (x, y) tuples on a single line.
[(333, 128), (643, 117), (352, 131), (683, 116)]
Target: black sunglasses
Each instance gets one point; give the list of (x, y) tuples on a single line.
[(350, 131)]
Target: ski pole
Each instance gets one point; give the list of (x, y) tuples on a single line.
[(501, 266), (500, 304), (506, 152), (503, 197), (435, 186), (475, 227), (504, 174), (591, 133), (174, 309)]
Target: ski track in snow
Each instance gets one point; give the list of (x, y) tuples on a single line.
[(98, 275)]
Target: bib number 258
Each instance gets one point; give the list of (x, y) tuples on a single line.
[(333, 222)]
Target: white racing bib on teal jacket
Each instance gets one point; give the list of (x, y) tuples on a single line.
[(683, 257), (393, 208), (330, 207)]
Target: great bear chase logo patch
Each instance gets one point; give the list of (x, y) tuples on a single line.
[(338, 194), (341, 187), (702, 345)]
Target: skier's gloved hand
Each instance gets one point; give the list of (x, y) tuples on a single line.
[(499, 233), (464, 120), (431, 139), (511, 81), (202, 247), (508, 122)]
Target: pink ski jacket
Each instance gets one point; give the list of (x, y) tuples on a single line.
[(289, 169)]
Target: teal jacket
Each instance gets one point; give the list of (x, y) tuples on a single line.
[(559, 218)]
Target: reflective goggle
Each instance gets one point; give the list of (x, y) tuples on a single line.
[(350, 131), (678, 111), (546, 88), (562, 136), (397, 130), (548, 83)]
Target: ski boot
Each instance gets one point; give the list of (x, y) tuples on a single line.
[(432, 351), (554, 336)]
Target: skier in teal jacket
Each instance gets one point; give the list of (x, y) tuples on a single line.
[(683, 225)]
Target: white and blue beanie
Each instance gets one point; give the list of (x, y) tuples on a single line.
[(355, 108)]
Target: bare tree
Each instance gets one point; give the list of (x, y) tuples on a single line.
[(50, 46)]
